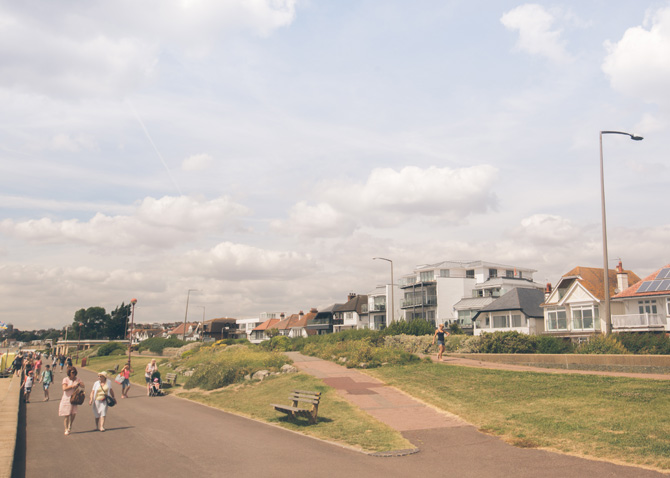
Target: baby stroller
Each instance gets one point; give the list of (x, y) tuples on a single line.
[(156, 383)]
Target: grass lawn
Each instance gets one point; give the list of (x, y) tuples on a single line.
[(611, 418), (338, 421)]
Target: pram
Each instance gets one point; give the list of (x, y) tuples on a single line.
[(155, 389)]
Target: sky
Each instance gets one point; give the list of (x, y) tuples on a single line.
[(262, 152)]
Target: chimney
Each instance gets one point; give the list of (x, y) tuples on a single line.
[(301, 313), (350, 296), (547, 291), (313, 311), (621, 278), (282, 316)]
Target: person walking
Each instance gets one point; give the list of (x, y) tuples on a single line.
[(17, 364), (28, 386), (47, 378), (61, 361), (148, 371), (125, 384), (98, 399), (66, 409), (439, 335)]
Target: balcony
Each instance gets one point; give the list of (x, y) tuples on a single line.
[(418, 301), (378, 308), (640, 322)]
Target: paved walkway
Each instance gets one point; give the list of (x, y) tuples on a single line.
[(168, 436)]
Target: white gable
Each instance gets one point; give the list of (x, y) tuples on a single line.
[(577, 293)]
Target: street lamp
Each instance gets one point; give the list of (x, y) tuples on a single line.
[(132, 326), (80, 324), (203, 322), (606, 275), (188, 294), (392, 287)]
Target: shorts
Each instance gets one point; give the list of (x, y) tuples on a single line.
[(99, 408), (28, 390), (125, 383), (147, 379), (46, 386), (440, 342)]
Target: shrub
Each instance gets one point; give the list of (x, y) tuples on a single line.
[(412, 327), (111, 348), (157, 344), (511, 342), (455, 329), (358, 353), (279, 343), (648, 343), (216, 367), (547, 344), (601, 344)]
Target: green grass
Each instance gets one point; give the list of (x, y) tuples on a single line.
[(611, 418), (338, 421)]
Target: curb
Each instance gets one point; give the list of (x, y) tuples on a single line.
[(9, 420)]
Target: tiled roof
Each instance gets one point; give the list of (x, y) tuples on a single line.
[(592, 279), (631, 291), (268, 324), (180, 328), (354, 305)]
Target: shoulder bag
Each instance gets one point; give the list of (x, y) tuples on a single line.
[(78, 397)]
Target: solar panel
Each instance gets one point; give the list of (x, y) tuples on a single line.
[(654, 285), (665, 285), (644, 286), (664, 274)]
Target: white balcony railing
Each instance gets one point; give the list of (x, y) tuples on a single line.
[(639, 321)]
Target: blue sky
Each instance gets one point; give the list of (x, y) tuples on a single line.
[(264, 151)]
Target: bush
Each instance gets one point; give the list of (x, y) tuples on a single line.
[(111, 348), (601, 344), (455, 329), (362, 353), (412, 327), (547, 344), (648, 343), (511, 342), (216, 367), (279, 343), (157, 344)]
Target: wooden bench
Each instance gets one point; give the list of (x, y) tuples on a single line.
[(112, 371), (170, 379), (296, 397)]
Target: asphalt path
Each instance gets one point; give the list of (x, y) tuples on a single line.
[(171, 437)]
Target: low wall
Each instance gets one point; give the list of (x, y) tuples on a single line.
[(609, 363), (10, 392)]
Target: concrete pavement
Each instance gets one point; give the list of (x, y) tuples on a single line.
[(9, 417), (173, 437)]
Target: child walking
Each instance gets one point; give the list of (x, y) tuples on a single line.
[(47, 379), (28, 386)]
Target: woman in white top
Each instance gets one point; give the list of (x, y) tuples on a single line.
[(151, 368), (98, 399)]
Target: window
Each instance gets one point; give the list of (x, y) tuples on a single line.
[(582, 318), (444, 272), (509, 274), (519, 321), (470, 274), (493, 273), (647, 306), (364, 308), (427, 276), (557, 319), (500, 321)]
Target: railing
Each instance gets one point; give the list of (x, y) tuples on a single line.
[(638, 321), (378, 308), (419, 301)]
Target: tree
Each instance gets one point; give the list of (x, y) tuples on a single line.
[(116, 327), (93, 320)]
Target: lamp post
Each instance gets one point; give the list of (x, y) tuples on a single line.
[(392, 287), (606, 275), (132, 326), (188, 294), (80, 324)]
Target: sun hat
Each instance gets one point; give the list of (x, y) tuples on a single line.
[(103, 374)]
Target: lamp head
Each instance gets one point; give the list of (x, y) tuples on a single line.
[(636, 138)]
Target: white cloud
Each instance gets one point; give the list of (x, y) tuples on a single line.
[(547, 230), (197, 162), (65, 142), (389, 198), (155, 223), (638, 65), (534, 24), (109, 50)]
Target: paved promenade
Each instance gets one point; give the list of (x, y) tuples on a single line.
[(167, 436)]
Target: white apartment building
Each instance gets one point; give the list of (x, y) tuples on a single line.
[(454, 291)]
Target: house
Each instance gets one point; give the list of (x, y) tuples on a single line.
[(352, 314), (178, 331), (453, 291), (518, 310), (295, 325), (324, 321), (646, 304), (140, 334), (217, 329), (381, 312), (259, 334), (246, 326), (572, 308)]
